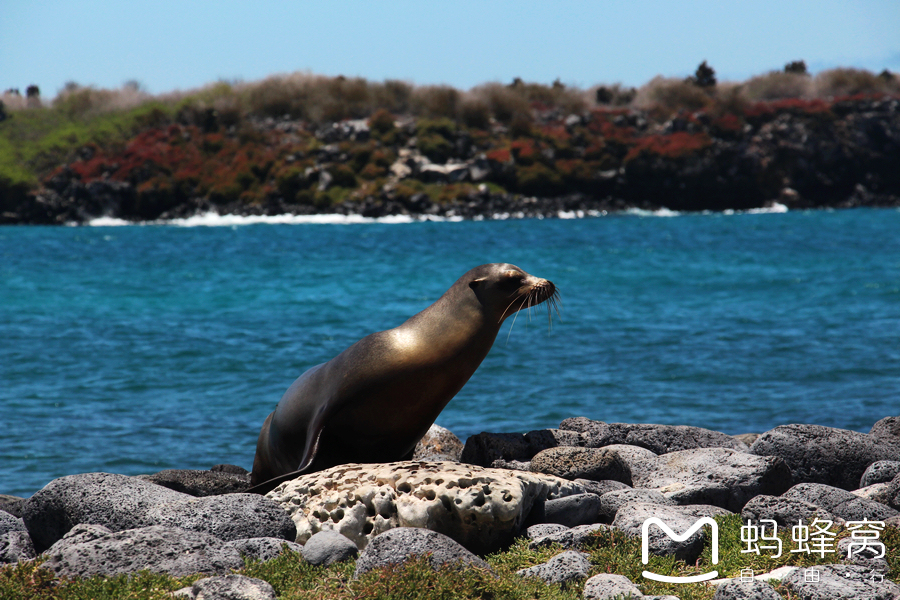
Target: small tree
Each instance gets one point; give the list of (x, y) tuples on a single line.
[(796, 66), (704, 76)]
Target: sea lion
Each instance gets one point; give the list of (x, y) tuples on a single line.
[(376, 399)]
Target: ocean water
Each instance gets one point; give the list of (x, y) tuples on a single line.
[(133, 349)]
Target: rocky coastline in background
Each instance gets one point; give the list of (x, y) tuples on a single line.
[(793, 154), (453, 502)]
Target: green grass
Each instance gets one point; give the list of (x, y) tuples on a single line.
[(292, 578)]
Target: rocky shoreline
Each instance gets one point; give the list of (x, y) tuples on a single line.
[(454, 502), (792, 153)]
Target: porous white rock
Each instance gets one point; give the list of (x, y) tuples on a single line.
[(481, 508)]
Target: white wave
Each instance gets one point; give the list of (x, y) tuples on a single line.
[(765, 210), (108, 222), (662, 212), (213, 219)]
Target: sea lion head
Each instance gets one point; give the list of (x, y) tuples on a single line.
[(505, 289)]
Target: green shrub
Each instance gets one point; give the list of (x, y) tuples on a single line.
[(475, 113), (538, 180), (382, 122), (796, 66)]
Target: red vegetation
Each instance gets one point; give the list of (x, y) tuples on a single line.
[(673, 145)]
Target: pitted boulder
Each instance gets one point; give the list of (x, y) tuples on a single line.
[(562, 569), (485, 448), (10, 523), (786, 512), (328, 547), (818, 454), (228, 587), (840, 502), (229, 517), (576, 537), (177, 552), (735, 589), (611, 502), (115, 501), (887, 430), (571, 462), (399, 545), (882, 471), (483, 509), (840, 582), (718, 476), (608, 586), (541, 529), (15, 546), (571, 511), (438, 444), (660, 439), (630, 520), (632, 456), (263, 548), (200, 483)]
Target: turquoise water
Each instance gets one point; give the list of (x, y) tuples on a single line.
[(133, 349)]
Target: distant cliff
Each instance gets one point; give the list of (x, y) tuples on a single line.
[(837, 152)]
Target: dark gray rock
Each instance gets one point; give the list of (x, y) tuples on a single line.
[(632, 456), (263, 548), (177, 552), (881, 471), (228, 517), (10, 523), (200, 483), (817, 454), (887, 430), (12, 504), (841, 582), (541, 439), (786, 512), (541, 529), (396, 546), (578, 509), (612, 501), (841, 503), (660, 439), (607, 586), (630, 519), (232, 469), (562, 569), (571, 462), (863, 554), (568, 538), (735, 589), (602, 487), (718, 476), (228, 587), (484, 448), (15, 546), (327, 547), (116, 501), (439, 443)]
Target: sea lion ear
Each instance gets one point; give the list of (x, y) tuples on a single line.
[(476, 282)]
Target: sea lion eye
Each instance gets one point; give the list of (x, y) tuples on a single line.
[(513, 277)]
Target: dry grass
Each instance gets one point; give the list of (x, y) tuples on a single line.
[(777, 85), (849, 82), (671, 95)]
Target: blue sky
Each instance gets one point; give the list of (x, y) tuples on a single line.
[(178, 45)]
